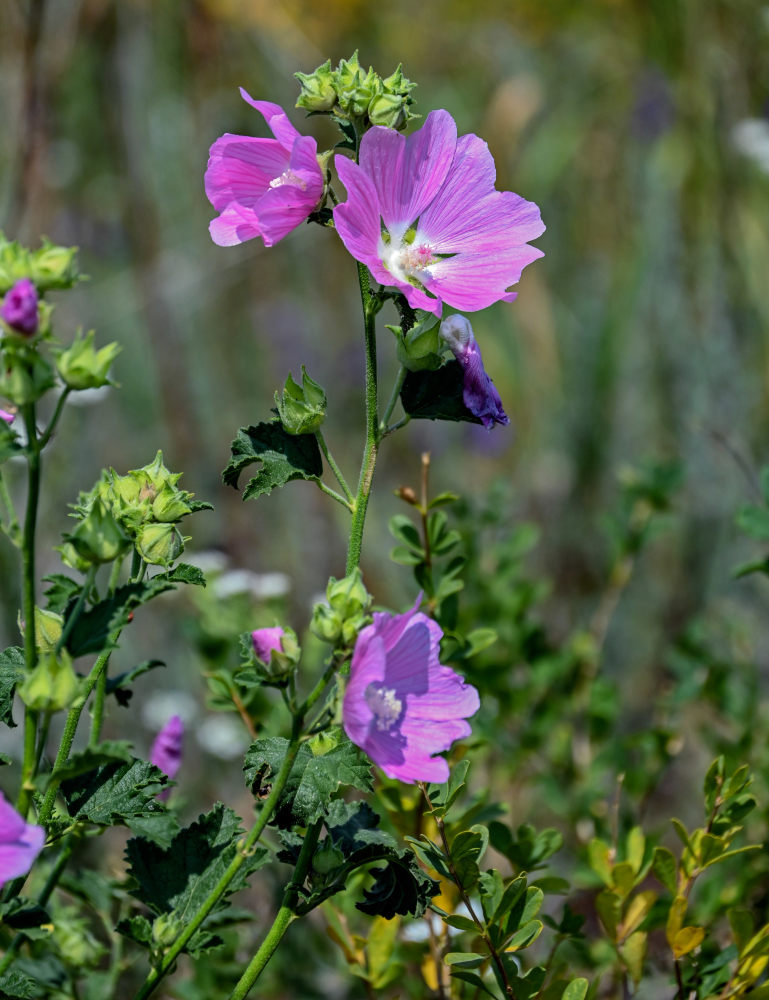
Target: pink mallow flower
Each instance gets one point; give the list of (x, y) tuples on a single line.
[(19, 308), (20, 843), (262, 187), (265, 640), (166, 752), (422, 213), (478, 391), (7, 417), (401, 706)]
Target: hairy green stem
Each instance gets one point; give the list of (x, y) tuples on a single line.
[(70, 728), (97, 710), (334, 495), (284, 918), (370, 309), (28, 601), (159, 971)]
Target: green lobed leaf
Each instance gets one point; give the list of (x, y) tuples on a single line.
[(436, 395), (11, 672), (63, 589), (93, 627), (314, 780), (122, 793), (93, 757), (178, 880), (17, 984), (119, 684), (283, 458)]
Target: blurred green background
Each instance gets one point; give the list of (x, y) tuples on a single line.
[(640, 128)]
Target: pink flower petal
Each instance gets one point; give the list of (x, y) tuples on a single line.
[(20, 843), (276, 118), (240, 168), (233, 227), (407, 173)]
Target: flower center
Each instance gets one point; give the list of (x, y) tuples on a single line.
[(288, 177), (384, 704), (405, 258)]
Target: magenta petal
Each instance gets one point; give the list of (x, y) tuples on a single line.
[(20, 843), (233, 227), (401, 706), (358, 220), (240, 168), (265, 640), (408, 172), (166, 751), (472, 281), (276, 118)]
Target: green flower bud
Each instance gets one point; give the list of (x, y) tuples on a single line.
[(326, 624), (52, 685), (98, 538), (318, 91), (156, 474), (82, 367), (48, 629), (159, 544), (420, 347), (327, 857), (26, 376), (166, 929), (348, 596), (389, 110), (54, 266), (351, 627), (170, 504), (302, 408), (15, 263)]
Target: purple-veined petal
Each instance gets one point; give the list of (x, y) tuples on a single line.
[(472, 281), (407, 173), (358, 220), (20, 842), (240, 168), (276, 118), (234, 226), (265, 640)]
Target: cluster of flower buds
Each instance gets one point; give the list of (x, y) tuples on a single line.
[(301, 408), (141, 509), (340, 620), (47, 268), (352, 94)]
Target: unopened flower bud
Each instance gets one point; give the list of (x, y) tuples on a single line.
[(325, 624), (266, 640), (159, 544), (52, 685), (166, 929), (54, 266), (7, 417), (302, 408), (389, 110), (82, 367), (478, 391), (318, 92), (19, 308), (26, 375), (348, 596), (170, 504), (98, 538), (327, 857)]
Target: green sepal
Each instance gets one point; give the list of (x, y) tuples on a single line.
[(283, 457), (301, 408)]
